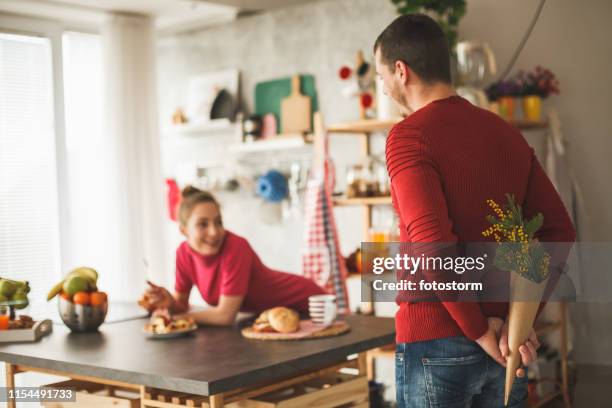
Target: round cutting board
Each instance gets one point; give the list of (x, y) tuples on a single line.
[(337, 328)]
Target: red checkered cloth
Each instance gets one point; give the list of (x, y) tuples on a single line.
[(321, 258)]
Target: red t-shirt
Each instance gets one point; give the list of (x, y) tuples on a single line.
[(237, 271)]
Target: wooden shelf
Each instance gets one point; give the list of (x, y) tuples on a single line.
[(344, 201), (279, 143), (375, 125), (528, 125), (363, 126), (216, 126)]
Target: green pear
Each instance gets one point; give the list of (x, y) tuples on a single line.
[(7, 287), (20, 296), (76, 284), (24, 286)]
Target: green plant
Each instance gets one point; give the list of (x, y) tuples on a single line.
[(519, 250), (446, 12)]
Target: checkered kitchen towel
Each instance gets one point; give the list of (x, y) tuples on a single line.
[(321, 258)]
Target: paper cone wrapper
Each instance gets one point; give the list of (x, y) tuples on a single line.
[(521, 317)]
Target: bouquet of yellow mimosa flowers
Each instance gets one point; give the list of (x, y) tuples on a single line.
[(520, 252)]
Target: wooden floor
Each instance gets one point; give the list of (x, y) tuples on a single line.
[(593, 387)]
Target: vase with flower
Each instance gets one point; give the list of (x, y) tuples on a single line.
[(536, 85), (504, 93)]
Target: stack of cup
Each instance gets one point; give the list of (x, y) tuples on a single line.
[(322, 309)]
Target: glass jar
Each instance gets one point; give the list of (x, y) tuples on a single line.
[(355, 182)]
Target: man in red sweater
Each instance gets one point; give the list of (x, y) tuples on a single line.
[(444, 161)]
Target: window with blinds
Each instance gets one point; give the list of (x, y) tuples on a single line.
[(29, 217)]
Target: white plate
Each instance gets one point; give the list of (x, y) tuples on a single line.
[(172, 335)]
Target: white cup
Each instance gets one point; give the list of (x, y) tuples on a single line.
[(322, 309)]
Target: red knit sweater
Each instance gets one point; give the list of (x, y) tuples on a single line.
[(444, 161)]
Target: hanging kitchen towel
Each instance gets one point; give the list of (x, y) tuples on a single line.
[(321, 258)]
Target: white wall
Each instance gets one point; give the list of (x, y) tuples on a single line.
[(572, 38)]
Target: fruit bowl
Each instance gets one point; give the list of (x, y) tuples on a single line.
[(82, 318)]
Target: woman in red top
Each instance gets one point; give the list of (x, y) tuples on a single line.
[(225, 269)]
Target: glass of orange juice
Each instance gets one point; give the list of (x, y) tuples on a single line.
[(4, 318)]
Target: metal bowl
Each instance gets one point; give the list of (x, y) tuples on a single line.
[(81, 318)]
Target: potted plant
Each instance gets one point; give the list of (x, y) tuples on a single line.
[(536, 85), (447, 14), (504, 94)]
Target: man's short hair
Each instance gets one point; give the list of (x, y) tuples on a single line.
[(418, 41)]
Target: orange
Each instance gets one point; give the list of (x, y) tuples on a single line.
[(98, 298), (66, 296), (358, 260), (81, 298)]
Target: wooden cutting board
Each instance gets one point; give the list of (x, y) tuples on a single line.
[(306, 332), (296, 110), (269, 94)]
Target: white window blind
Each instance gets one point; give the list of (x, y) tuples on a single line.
[(29, 220)]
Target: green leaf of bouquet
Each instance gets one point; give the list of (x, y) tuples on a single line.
[(492, 219), (534, 225)]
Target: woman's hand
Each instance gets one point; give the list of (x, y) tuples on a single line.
[(156, 297)]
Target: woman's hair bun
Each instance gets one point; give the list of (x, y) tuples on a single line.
[(190, 191)]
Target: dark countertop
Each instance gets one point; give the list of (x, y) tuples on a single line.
[(211, 361)]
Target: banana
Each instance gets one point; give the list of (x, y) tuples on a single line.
[(89, 274), (86, 272), (55, 290)]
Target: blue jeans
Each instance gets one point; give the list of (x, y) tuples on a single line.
[(452, 373)]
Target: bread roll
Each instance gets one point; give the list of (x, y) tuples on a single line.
[(284, 320)]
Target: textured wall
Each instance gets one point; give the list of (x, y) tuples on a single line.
[(316, 38)]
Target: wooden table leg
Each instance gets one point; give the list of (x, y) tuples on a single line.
[(216, 401), (10, 383), (362, 363), (564, 364), (371, 367)]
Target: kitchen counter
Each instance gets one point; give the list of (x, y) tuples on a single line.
[(212, 361)]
